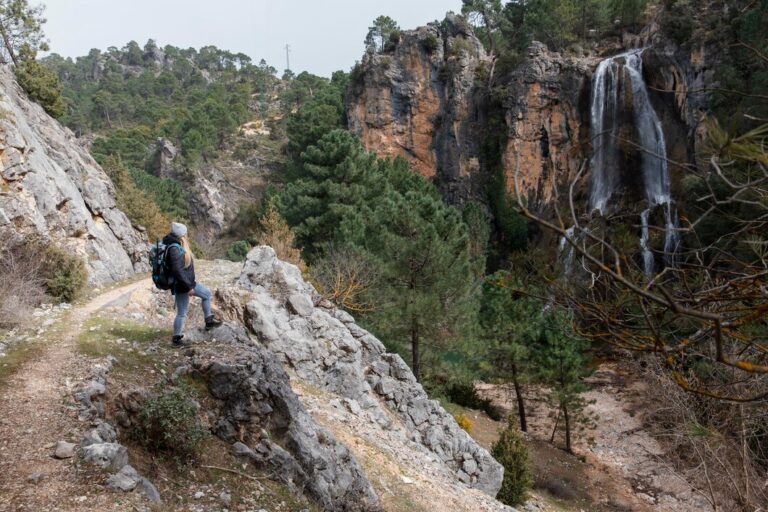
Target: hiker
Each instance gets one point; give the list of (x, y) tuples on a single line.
[(181, 267)]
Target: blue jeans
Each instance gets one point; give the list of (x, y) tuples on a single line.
[(182, 307)]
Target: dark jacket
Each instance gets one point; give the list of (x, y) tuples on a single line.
[(184, 277)]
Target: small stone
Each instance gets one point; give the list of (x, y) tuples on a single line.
[(64, 450), (35, 477), (406, 480), (149, 491), (199, 495), (124, 480), (225, 498)]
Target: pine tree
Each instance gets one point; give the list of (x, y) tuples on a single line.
[(513, 324), (21, 29), (562, 364), (333, 195), (426, 272), (383, 35)]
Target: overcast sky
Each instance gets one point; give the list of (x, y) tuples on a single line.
[(324, 35)]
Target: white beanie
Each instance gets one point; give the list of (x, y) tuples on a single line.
[(178, 229)]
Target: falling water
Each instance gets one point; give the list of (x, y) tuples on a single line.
[(647, 254), (610, 76)]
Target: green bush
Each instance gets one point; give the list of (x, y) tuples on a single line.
[(238, 250), (511, 452), (42, 85), (430, 43), (169, 424), (464, 394), (65, 276)]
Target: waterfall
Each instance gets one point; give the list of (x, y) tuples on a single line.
[(648, 259), (611, 76)]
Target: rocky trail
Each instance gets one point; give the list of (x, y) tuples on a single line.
[(37, 413)]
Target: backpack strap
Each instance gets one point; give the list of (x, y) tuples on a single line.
[(175, 245)]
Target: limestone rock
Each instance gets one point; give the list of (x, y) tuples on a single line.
[(51, 188), (328, 351), (254, 390), (106, 455), (421, 102), (124, 480), (64, 450), (149, 491)]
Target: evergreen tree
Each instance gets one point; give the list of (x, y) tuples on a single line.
[(383, 35), (41, 84), (562, 364), (512, 453), (513, 324), (21, 28), (426, 272), (330, 199)]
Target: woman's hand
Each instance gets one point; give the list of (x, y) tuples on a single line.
[(191, 293)]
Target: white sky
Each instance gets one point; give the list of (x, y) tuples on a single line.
[(324, 35)]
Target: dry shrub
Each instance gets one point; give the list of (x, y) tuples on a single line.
[(464, 422), (718, 446), (346, 276), (65, 275), (22, 284), (275, 232)]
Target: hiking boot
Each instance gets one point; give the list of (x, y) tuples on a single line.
[(178, 341), (211, 322)]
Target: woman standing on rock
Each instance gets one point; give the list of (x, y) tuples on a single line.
[(181, 267)]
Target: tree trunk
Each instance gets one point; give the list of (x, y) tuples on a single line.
[(7, 44), (520, 402), (567, 429), (554, 429), (415, 350)]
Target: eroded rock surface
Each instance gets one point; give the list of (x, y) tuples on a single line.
[(51, 188), (267, 424), (420, 102), (328, 350)]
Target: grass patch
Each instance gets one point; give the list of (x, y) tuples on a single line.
[(127, 341), (16, 356)]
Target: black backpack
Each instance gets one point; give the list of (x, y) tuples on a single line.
[(161, 273)]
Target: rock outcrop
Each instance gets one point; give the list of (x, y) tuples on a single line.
[(421, 102), (51, 189), (427, 100), (546, 98), (325, 348), (267, 424)]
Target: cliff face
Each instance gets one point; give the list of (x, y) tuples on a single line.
[(428, 103), (326, 349), (422, 102), (432, 107), (51, 188), (544, 109)]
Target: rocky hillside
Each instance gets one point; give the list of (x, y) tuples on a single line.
[(51, 189), (292, 389)]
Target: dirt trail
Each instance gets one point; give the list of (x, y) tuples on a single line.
[(36, 411)]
